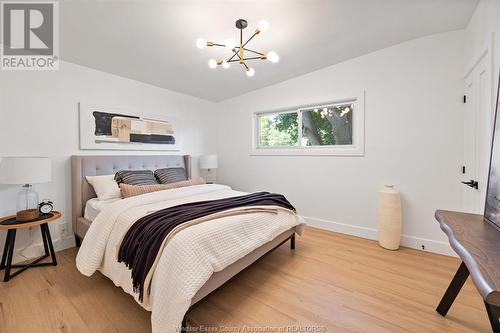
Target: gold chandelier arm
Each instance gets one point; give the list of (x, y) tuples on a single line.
[(236, 53), (249, 39), (259, 53), (245, 59), (215, 44), (236, 50), (254, 58)]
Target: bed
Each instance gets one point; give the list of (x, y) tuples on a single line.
[(82, 192)]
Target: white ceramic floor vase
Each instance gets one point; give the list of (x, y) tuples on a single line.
[(389, 218)]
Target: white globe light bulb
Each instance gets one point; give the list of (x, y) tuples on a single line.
[(250, 72), (273, 57), (212, 63), (201, 43), (225, 65), (263, 25), (230, 44)]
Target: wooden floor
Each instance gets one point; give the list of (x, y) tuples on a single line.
[(344, 283)]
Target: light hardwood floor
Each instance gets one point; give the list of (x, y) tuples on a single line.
[(345, 283)]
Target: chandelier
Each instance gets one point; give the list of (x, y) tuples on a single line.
[(241, 53)]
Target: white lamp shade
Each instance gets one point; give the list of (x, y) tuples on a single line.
[(25, 170), (208, 162)]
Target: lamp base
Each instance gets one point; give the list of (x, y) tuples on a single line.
[(27, 204), (27, 215)]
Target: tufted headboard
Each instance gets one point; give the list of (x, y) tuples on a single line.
[(98, 165)]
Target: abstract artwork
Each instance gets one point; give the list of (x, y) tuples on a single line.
[(106, 128), (492, 209)]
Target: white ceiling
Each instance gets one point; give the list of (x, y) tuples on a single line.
[(154, 41)]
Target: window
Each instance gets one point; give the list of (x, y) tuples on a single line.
[(329, 125), (328, 129), (278, 129)]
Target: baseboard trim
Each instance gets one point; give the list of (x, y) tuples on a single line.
[(422, 244), (36, 250)]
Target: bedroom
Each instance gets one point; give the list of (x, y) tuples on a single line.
[(129, 85)]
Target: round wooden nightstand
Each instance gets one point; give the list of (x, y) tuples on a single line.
[(10, 224)]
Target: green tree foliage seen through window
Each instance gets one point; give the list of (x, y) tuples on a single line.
[(274, 133), (327, 125), (323, 126)]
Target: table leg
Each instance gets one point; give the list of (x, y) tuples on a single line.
[(5, 250), (10, 251), (453, 289), (45, 245), (494, 316), (46, 231)]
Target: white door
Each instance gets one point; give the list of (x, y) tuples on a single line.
[(477, 135)]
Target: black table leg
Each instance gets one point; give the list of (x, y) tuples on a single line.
[(44, 239), (292, 242), (453, 289), (5, 250), (9, 245), (9, 250), (48, 241), (494, 316)]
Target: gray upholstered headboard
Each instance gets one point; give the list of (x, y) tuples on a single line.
[(98, 165)]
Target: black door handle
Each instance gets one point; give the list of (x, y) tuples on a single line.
[(472, 183)]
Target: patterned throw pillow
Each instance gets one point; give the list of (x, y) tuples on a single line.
[(135, 177), (133, 190), (170, 175)]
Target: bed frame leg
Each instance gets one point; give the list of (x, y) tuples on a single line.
[(78, 241), (292, 242)]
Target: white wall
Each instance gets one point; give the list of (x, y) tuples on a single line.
[(39, 117), (413, 140), (483, 32)]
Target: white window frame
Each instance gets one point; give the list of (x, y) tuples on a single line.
[(357, 148)]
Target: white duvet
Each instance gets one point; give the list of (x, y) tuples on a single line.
[(189, 258)]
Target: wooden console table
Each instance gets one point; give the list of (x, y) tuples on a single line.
[(477, 243)]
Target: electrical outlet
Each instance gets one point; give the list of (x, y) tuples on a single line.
[(63, 229)]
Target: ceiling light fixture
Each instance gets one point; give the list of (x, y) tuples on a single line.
[(240, 50)]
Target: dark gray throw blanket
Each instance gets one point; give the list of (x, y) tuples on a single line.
[(143, 240)]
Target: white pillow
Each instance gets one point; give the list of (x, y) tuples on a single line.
[(105, 187)]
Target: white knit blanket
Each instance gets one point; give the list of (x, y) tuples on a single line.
[(189, 258)]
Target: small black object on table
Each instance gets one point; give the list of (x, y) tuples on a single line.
[(10, 224)]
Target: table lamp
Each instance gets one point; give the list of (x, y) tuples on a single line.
[(209, 163), (25, 171)]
